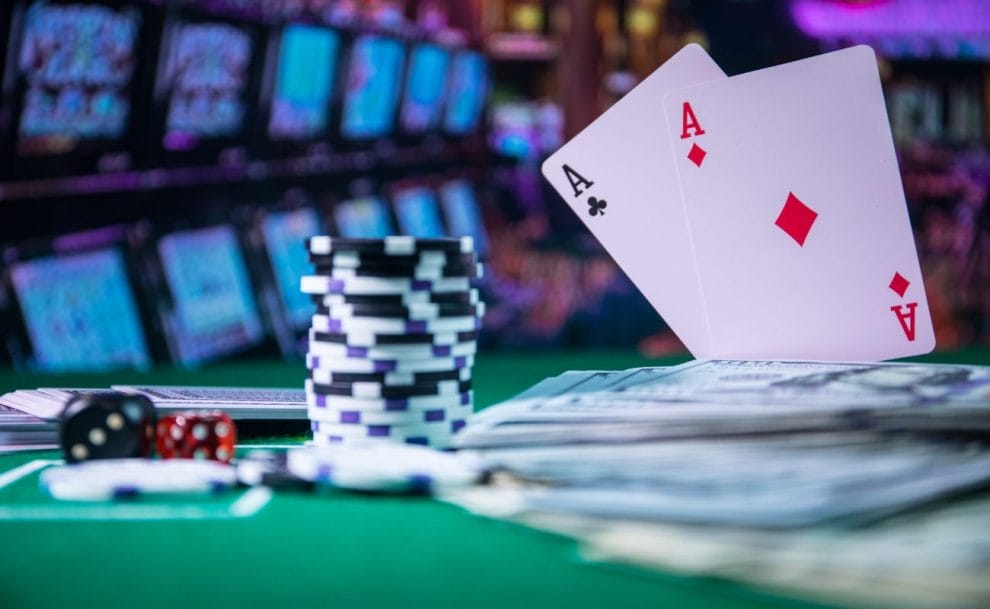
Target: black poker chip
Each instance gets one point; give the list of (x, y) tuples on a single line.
[(471, 271), (421, 311), (355, 260), (379, 390), (373, 340), (389, 378), (466, 297)]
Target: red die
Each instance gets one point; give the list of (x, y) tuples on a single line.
[(197, 435)]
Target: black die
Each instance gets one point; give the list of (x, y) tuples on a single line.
[(107, 425)]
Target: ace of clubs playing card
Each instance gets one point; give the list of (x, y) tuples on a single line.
[(797, 215), (618, 177)]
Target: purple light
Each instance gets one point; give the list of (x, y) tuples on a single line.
[(828, 18)]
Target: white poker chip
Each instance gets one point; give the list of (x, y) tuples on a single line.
[(321, 284), (422, 433), (391, 325), (383, 467), (108, 479), (393, 417), (404, 352), (389, 246), (422, 402), (331, 364)]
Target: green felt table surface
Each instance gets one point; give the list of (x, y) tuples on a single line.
[(317, 550)]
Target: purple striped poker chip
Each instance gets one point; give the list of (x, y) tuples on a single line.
[(109, 479), (389, 352), (382, 466), (326, 362), (385, 417), (387, 431), (323, 285), (440, 441), (322, 323), (379, 339), (319, 400)]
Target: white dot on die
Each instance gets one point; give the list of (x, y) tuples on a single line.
[(199, 431), (115, 421), (79, 451), (175, 432), (200, 453), (222, 429), (222, 454), (97, 436)]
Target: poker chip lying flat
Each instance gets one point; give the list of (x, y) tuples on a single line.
[(419, 310), (321, 284), (469, 297), (423, 402), (391, 325), (332, 377), (390, 351), (379, 417), (425, 259), (268, 468), (381, 467), (389, 246), (474, 271), (378, 390), (344, 364), (375, 339), (107, 479)]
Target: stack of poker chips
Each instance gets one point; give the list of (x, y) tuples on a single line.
[(393, 339)]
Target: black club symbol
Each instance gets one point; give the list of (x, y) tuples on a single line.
[(596, 206)]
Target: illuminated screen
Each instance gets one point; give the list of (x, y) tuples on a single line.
[(303, 82), (363, 218), (418, 213), (80, 312), (206, 76), (372, 87), (77, 61), (467, 93), (285, 235), (426, 83), (214, 309), (463, 215)]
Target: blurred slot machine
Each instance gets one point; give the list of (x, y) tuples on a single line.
[(417, 211), (425, 89), (212, 310), (207, 77), (373, 86), (282, 235), (298, 93), (467, 93), (74, 306), (460, 207), (363, 218), (71, 94)]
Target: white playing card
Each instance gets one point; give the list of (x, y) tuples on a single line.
[(623, 159), (794, 201)]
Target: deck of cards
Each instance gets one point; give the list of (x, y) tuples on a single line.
[(762, 215)]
